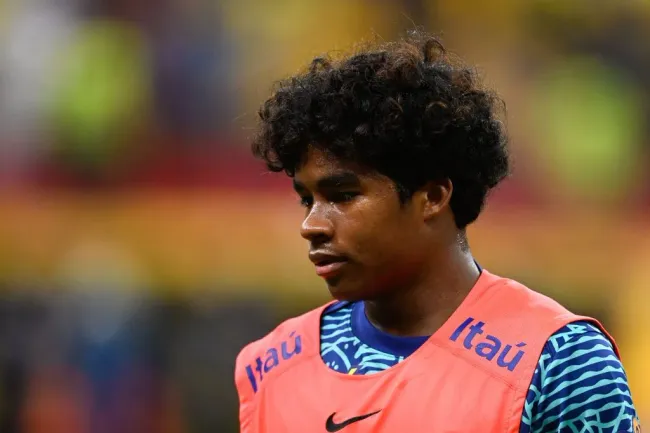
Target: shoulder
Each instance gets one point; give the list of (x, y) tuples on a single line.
[(552, 324), (573, 351), (514, 313), (514, 299), (287, 344), (579, 383), (579, 335), (288, 329)]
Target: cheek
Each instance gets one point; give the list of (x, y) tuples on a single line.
[(378, 232)]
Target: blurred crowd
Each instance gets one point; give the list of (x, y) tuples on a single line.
[(129, 121), (141, 92), (102, 363)]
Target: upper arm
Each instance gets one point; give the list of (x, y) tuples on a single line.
[(579, 382)]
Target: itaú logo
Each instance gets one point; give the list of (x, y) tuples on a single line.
[(487, 346), (273, 357)]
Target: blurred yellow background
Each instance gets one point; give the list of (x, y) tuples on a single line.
[(141, 246)]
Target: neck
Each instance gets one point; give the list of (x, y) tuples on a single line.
[(424, 306)]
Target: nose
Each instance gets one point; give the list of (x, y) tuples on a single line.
[(317, 227)]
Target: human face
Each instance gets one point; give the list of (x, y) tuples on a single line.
[(363, 241)]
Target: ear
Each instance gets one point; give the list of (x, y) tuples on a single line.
[(435, 197)]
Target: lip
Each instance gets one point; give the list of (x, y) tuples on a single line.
[(330, 269), (327, 263)]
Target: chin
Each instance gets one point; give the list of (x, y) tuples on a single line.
[(345, 292)]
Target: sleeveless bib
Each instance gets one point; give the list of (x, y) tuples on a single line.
[(472, 375)]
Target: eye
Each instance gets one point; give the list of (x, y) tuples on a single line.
[(306, 201), (342, 197)]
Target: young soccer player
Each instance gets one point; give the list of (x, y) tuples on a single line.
[(392, 151)]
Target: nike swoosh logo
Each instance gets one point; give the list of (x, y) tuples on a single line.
[(332, 426)]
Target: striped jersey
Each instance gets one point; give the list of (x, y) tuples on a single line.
[(579, 384)]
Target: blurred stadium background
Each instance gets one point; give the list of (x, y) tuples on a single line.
[(141, 246)]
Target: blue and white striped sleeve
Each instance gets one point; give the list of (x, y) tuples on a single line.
[(579, 385)]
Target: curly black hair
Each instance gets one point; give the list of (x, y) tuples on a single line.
[(407, 109)]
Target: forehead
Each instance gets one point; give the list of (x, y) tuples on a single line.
[(318, 164)]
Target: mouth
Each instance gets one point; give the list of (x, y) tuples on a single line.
[(330, 269), (327, 265)]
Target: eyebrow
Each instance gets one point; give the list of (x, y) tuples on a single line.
[(343, 179)]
